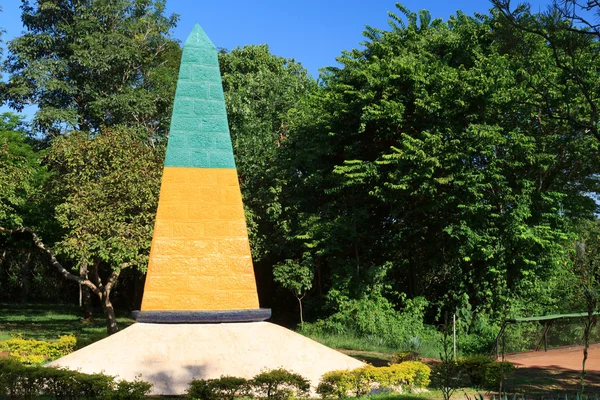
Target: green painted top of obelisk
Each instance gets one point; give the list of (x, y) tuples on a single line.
[(199, 135)]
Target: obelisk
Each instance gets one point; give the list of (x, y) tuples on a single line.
[(200, 267), (200, 317)]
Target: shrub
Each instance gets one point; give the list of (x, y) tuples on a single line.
[(447, 375), (474, 367), (378, 323), (483, 371), (125, 390), (335, 384), (223, 388), (411, 373), (38, 351), (495, 372), (27, 382), (361, 381), (403, 356), (280, 384)]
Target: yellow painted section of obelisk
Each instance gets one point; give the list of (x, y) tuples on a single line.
[(200, 257)]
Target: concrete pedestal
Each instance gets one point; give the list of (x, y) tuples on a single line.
[(170, 355)]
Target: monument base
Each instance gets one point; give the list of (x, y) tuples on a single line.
[(170, 355), (202, 317)]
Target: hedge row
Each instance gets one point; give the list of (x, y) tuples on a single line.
[(281, 384), (276, 384), (19, 381)]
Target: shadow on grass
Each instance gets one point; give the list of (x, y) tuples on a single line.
[(48, 322), (550, 381)]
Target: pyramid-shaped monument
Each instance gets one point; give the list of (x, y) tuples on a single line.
[(200, 317), (200, 258)]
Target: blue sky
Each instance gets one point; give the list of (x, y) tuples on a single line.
[(314, 32)]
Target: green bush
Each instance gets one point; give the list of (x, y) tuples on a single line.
[(495, 372), (38, 351), (447, 375), (125, 390), (335, 384), (280, 384), (374, 319), (474, 367), (223, 388), (482, 371), (403, 356), (21, 381)]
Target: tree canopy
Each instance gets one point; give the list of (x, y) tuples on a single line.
[(89, 63)]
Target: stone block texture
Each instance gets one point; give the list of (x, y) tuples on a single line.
[(200, 257)]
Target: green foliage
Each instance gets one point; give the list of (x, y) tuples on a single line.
[(375, 318), (260, 90), (497, 372), (29, 351), (109, 185), (28, 382), (434, 168), (475, 368), (22, 177), (91, 64), (359, 382), (336, 384), (482, 371), (223, 388), (280, 384), (295, 276)]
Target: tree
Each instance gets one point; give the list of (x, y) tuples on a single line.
[(261, 89), (109, 185), (430, 152), (90, 63), (296, 277), (23, 202), (573, 41)]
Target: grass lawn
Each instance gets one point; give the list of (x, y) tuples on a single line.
[(371, 344), (48, 322)]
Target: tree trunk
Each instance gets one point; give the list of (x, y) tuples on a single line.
[(26, 278), (111, 319), (301, 316), (109, 311), (86, 294), (86, 303), (589, 324)]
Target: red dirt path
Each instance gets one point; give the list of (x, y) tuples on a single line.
[(568, 358)]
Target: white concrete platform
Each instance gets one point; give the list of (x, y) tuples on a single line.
[(169, 355)]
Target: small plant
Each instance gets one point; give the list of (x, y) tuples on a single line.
[(413, 344), (223, 388), (296, 276), (335, 384), (280, 384), (403, 356), (447, 374)]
